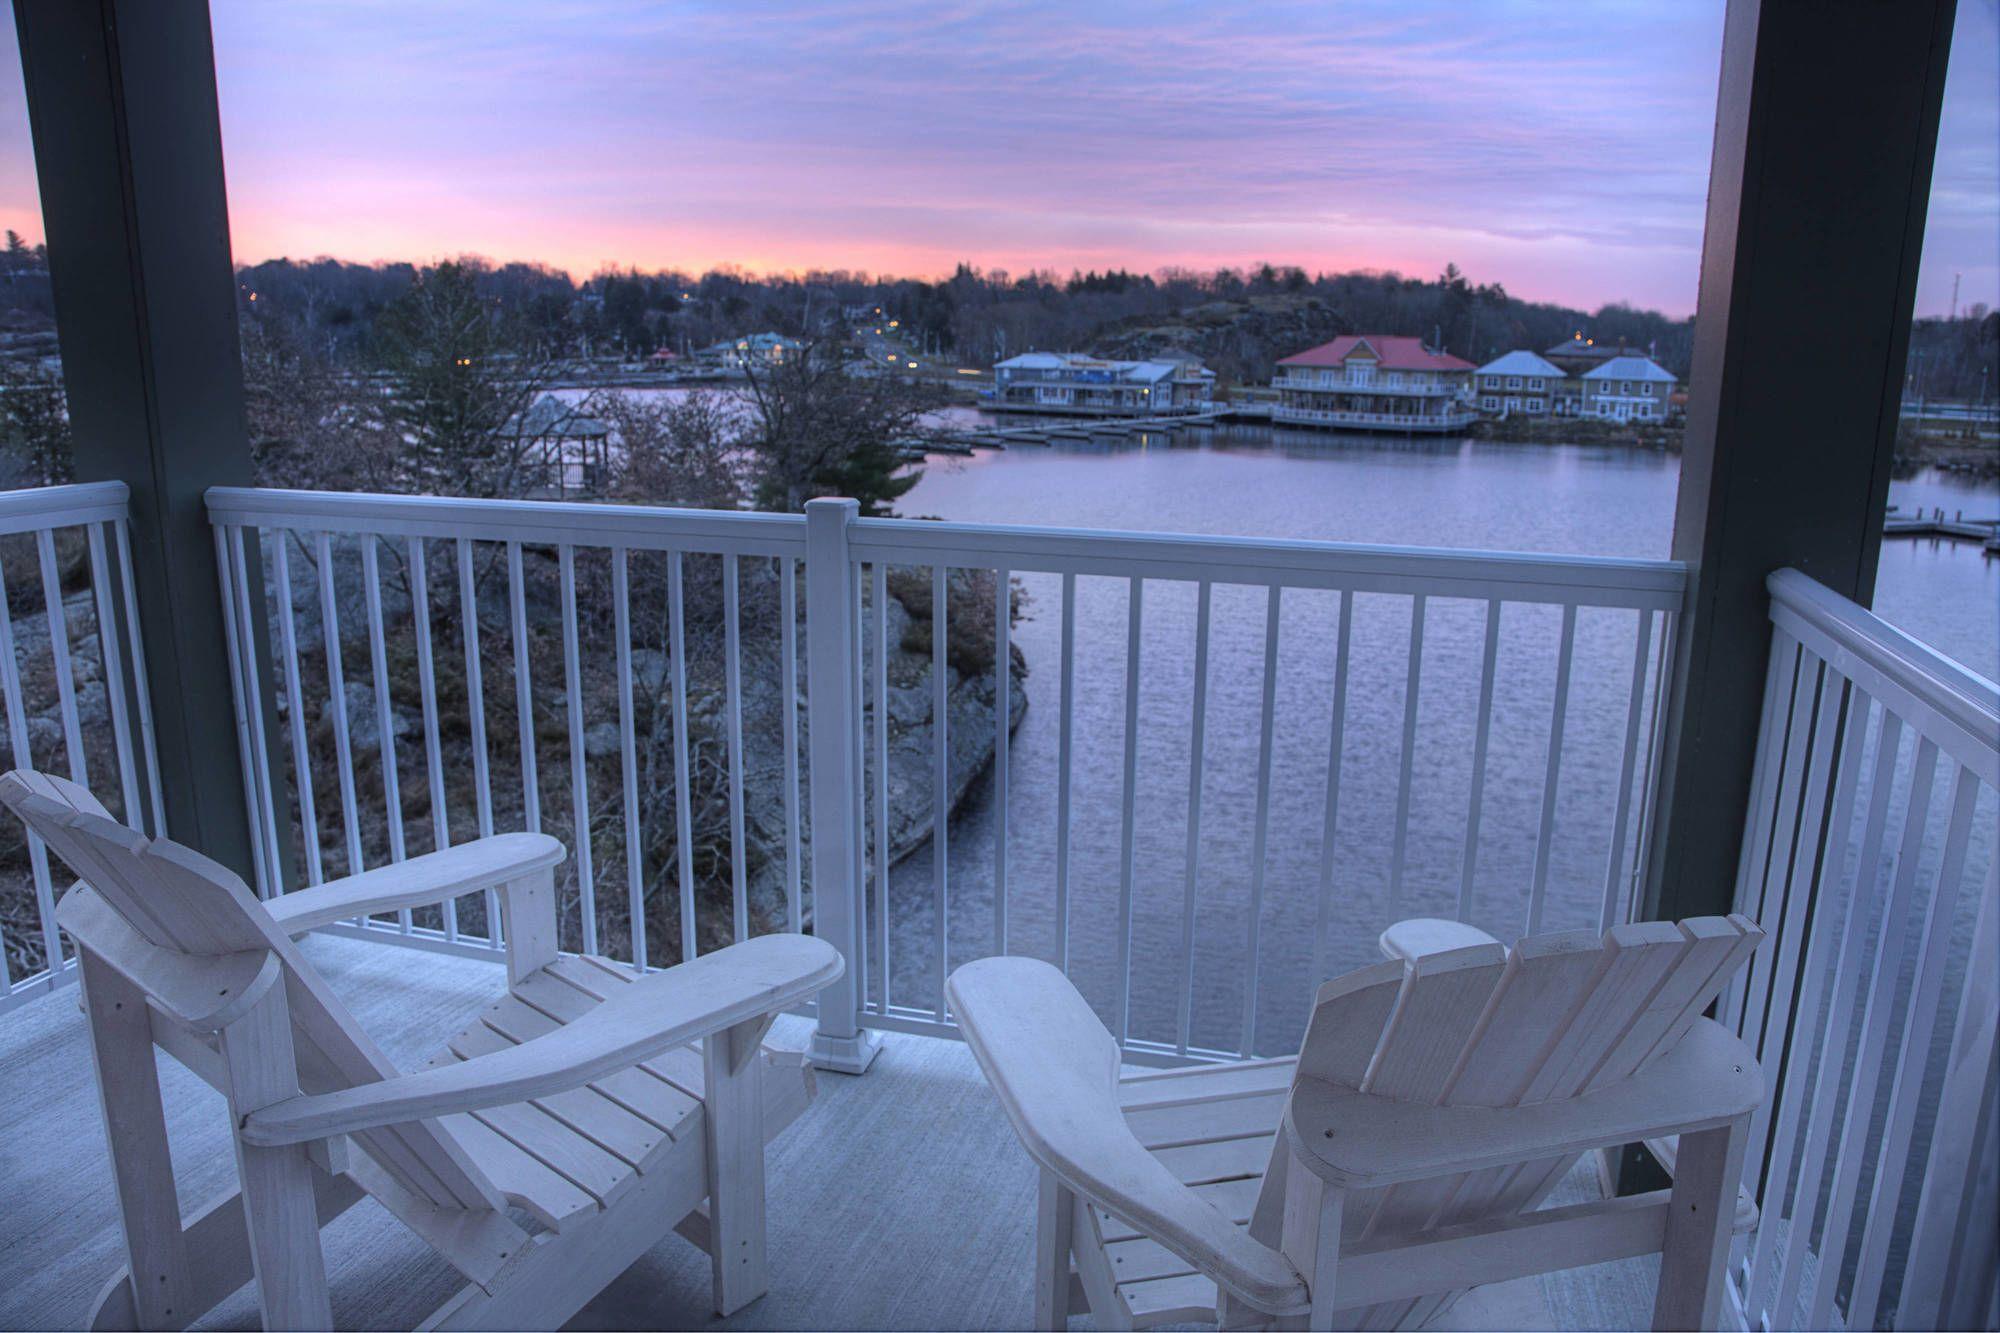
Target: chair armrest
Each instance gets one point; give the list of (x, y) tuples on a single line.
[(470, 867), (696, 999), (1055, 1071)]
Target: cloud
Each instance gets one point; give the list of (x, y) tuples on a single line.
[(1559, 148)]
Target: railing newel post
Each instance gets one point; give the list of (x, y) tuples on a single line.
[(839, 1042)]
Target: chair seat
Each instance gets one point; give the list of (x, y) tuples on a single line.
[(565, 1157), (1212, 1126)]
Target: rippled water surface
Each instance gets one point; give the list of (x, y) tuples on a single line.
[(1457, 493)]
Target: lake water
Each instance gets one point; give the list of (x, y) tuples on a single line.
[(1456, 493)]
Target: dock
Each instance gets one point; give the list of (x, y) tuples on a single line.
[(1985, 531), (1073, 431)]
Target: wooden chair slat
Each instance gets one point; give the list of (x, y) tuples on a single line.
[(629, 1138), (1348, 1016), (1443, 997), (1636, 958), (1224, 1159), (1684, 992), (648, 1096)]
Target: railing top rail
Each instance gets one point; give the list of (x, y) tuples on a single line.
[(542, 522), (1933, 688), (1511, 576), (39, 507)]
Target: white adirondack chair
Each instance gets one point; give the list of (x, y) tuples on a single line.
[(576, 1098), (1436, 1100)]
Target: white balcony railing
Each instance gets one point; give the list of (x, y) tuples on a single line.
[(1373, 384), (1429, 421), (1164, 821), (1870, 858), (75, 696)]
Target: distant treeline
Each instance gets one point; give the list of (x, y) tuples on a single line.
[(1238, 320), (977, 315)]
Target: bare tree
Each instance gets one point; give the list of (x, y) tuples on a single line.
[(822, 422)]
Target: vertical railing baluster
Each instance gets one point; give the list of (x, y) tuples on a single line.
[(475, 702), (732, 657), (788, 729), (1481, 734), (855, 716), (1197, 747), (1003, 702), (336, 702), (141, 690), (1760, 975), (1864, 906), (940, 779), (1780, 675), (524, 689), (257, 775), (1412, 684), (1957, 1196), (1796, 867), (17, 737), (1065, 728), (1814, 994), (579, 762), (58, 621), (113, 662), (420, 624), (1128, 833), (1857, 1139), (628, 761), (1260, 842), (385, 717), (244, 701), (1336, 744), (288, 644), (1909, 1081), (879, 592), (1614, 863), (1663, 657), (683, 797), (1552, 774)]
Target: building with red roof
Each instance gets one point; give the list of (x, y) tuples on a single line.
[(1374, 382)]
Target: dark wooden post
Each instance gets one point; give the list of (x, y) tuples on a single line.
[(1825, 130), (128, 149)]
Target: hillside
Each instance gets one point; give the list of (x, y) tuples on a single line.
[(1240, 340)]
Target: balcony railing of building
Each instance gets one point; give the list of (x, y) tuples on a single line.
[(1528, 669), (75, 695), (1444, 420), (1870, 858), (1340, 383), (1210, 698)]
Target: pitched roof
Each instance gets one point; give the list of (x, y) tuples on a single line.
[(1577, 347), (1521, 363), (1631, 366), (1149, 372), (1392, 351), (552, 419)]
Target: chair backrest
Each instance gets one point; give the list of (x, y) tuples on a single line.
[(178, 900), (1555, 1016)]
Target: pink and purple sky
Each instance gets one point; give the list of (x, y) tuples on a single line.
[(1559, 148)]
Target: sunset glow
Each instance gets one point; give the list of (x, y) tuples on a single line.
[(1559, 149)]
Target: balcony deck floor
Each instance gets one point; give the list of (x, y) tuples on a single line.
[(900, 1200)]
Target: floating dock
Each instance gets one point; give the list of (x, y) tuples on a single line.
[(1985, 531)]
